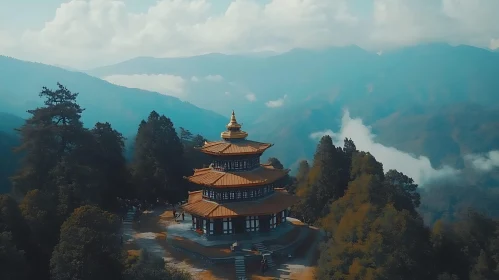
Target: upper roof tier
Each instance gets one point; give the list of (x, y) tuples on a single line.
[(241, 147), (265, 174), (234, 129)]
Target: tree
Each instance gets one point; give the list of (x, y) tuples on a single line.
[(158, 161), (481, 269), (325, 180), (193, 157), (303, 172), (51, 133), (39, 211), (369, 238), (89, 246), (404, 189), (12, 221), (275, 163), (14, 240), (185, 135), (349, 147), (12, 261), (109, 160), (150, 267)]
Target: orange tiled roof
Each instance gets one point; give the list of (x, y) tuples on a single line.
[(265, 174), (242, 147), (274, 203)]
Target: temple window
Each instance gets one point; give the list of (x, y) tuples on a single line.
[(232, 195), (212, 225), (239, 195), (252, 223), (252, 194), (227, 226), (218, 196), (226, 195), (245, 194), (273, 221)]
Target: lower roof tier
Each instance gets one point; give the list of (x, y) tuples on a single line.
[(264, 174), (274, 203)]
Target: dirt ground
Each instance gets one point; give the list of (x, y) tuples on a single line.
[(152, 227)]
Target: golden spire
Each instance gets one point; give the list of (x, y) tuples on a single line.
[(233, 122), (234, 129)]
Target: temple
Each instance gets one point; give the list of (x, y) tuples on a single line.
[(238, 194)]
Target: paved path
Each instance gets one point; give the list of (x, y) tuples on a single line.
[(150, 244), (296, 269)]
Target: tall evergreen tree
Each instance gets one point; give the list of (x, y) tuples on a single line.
[(50, 134), (158, 160), (108, 159), (325, 178)]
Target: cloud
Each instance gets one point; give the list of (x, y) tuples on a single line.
[(484, 162), (104, 31), (276, 103), (494, 44), (7, 41), (418, 168), (214, 78), (164, 84), (251, 97), (210, 78)]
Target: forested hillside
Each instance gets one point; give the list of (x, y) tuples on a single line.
[(62, 220), (374, 228)]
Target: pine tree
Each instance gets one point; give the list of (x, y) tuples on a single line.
[(109, 161), (158, 160), (50, 134), (325, 180)]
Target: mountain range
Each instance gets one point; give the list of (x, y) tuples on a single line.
[(124, 108), (434, 100), (412, 97)]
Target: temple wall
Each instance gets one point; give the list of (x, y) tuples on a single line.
[(236, 163), (225, 226), (239, 193)]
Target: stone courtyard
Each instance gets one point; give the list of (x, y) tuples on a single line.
[(212, 258)]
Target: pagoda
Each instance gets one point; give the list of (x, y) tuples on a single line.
[(238, 194)]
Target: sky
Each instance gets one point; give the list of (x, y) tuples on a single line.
[(418, 168), (84, 34)]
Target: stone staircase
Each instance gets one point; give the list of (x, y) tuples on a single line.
[(240, 268), (267, 253), (270, 262), (260, 247), (127, 225)]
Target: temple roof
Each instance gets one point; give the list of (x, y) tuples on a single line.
[(265, 174), (240, 147), (273, 203)]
